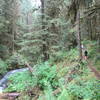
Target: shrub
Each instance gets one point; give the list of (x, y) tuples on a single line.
[(97, 62), (72, 54), (3, 67), (4, 52), (65, 95), (16, 61), (58, 56), (87, 90), (20, 81), (46, 74)]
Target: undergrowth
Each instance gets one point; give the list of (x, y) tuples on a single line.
[(20, 81), (50, 75), (93, 52), (3, 67)]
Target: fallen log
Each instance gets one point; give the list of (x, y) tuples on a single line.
[(30, 68), (9, 95)]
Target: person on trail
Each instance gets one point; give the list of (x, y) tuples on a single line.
[(84, 52)]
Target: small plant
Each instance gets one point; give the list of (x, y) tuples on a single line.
[(86, 90), (97, 62), (4, 52), (46, 74), (3, 67), (16, 61), (72, 55), (20, 81)]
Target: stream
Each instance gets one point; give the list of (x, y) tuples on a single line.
[(3, 81)]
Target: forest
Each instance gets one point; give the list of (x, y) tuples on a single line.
[(49, 49)]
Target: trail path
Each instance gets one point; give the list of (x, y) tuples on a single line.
[(93, 69)]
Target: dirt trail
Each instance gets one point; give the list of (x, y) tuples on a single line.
[(93, 69)]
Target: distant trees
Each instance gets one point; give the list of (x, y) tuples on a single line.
[(44, 31), (88, 11), (10, 15)]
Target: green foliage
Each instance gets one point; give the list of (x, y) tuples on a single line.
[(55, 26), (64, 95), (58, 56), (23, 97), (46, 74), (88, 42), (47, 94), (72, 54), (83, 86), (93, 53), (30, 47), (85, 89), (16, 61), (20, 81), (4, 51), (97, 62), (62, 71), (91, 47), (56, 32), (3, 67)]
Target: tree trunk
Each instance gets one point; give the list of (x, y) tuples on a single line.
[(91, 29), (44, 48), (9, 96), (79, 35), (99, 42)]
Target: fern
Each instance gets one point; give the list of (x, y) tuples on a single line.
[(64, 95)]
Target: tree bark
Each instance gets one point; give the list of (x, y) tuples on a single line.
[(99, 42), (79, 35), (44, 47), (9, 96), (30, 68)]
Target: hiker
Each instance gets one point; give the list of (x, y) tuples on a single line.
[(84, 52)]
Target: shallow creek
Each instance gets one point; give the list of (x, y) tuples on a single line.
[(3, 81)]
